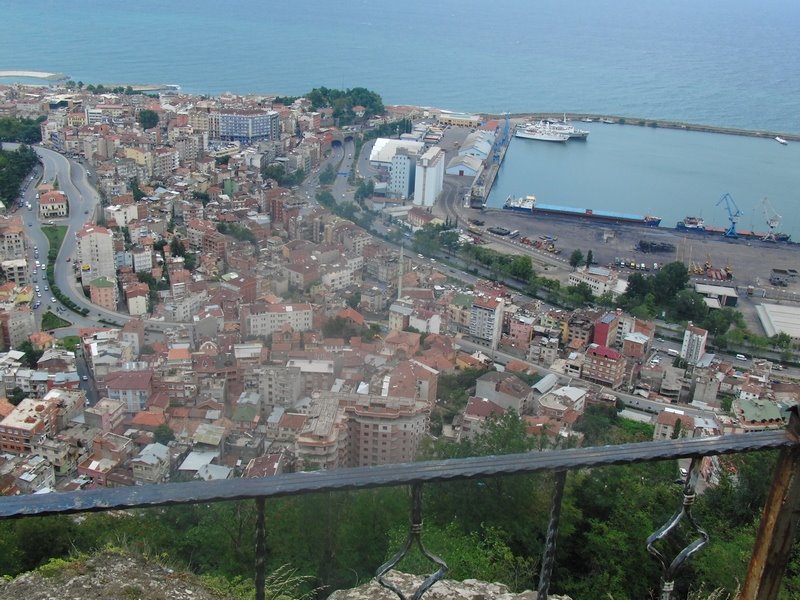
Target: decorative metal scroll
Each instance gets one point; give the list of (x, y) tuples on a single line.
[(668, 569), (414, 534)]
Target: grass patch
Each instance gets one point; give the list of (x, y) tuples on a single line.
[(55, 237), (69, 342), (51, 320)]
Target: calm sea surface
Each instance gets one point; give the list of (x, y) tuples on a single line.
[(719, 62), (663, 172)]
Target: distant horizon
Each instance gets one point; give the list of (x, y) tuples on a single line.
[(728, 65)]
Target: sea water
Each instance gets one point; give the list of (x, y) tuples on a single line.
[(662, 172), (731, 63)]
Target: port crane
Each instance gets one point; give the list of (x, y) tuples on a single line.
[(773, 220), (733, 214)]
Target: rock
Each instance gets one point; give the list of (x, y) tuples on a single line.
[(469, 589), (108, 575)]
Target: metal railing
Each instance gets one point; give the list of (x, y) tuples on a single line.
[(762, 582)]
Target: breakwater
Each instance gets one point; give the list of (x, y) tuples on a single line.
[(47, 75), (654, 123)]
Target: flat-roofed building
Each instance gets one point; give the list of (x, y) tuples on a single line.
[(717, 296), (384, 150), (16, 270), (780, 318), (30, 420), (603, 365), (694, 344), (429, 177), (486, 319)]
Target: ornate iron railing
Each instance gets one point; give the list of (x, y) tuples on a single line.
[(762, 582)]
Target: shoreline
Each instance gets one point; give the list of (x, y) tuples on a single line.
[(653, 123), (50, 79)]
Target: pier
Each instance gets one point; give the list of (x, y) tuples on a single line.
[(656, 123)]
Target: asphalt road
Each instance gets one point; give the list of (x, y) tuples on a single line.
[(73, 179)]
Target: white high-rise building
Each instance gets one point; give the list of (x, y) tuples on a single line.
[(95, 254), (694, 344), (429, 177), (486, 319), (401, 173)]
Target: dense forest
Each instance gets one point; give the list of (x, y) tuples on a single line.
[(26, 131), (343, 101), (491, 529), (14, 167)]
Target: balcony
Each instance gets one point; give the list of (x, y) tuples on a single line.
[(762, 580)]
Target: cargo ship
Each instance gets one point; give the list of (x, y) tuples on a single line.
[(697, 225), (530, 205)]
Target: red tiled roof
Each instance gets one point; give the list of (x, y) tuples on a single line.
[(604, 351), (481, 407)]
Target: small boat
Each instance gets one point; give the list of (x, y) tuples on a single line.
[(780, 140), (587, 120), (607, 121)]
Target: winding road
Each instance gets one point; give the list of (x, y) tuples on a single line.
[(84, 201)]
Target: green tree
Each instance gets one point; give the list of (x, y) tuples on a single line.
[(328, 175), (690, 306), (26, 131), (520, 267), (202, 196), (17, 395), (576, 258), (638, 288), (589, 258), (32, 355), (163, 434), (138, 194), (148, 118), (671, 279), (580, 293)]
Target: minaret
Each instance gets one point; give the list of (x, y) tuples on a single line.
[(400, 274)]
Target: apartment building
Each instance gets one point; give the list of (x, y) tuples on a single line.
[(95, 253), (30, 420), (384, 430), (132, 388), (603, 365), (694, 344), (12, 238), (103, 292), (266, 319), (486, 319), (247, 126)]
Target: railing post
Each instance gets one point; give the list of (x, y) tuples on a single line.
[(776, 531), (414, 535), (261, 543), (549, 555)]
